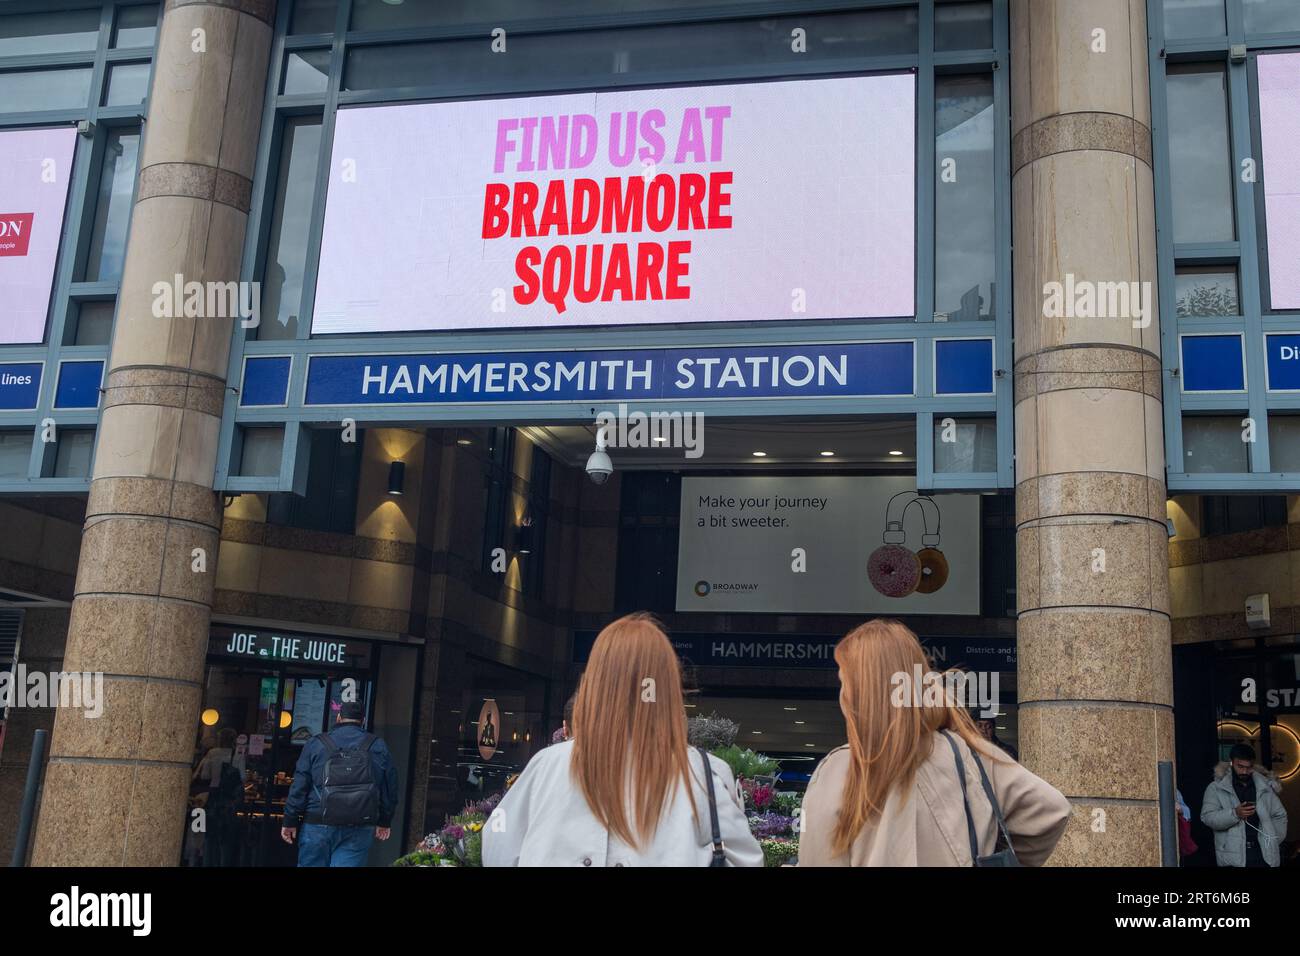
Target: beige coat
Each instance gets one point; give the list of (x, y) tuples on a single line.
[(927, 825)]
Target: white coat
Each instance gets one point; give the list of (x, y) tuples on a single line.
[(544, 820)]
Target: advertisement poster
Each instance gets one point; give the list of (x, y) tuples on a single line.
[(831, 544), (268, 712), (35, 168), (308, 710), (1279, 123), (489, 728), (742, 202)]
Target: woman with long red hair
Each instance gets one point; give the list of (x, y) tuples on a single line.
[(626, 789), (917, 784)]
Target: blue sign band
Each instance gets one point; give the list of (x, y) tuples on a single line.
[(20, 385), (790, 651), (963, 367), (79, 384), (864, 369), (1213, 363), (1282, 353), (266, 381)]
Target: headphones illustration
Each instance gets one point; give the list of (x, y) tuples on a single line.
[(893, 568)]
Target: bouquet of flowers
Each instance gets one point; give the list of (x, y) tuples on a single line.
[(459, 842)]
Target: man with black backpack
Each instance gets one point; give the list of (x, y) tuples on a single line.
[(343, 795)]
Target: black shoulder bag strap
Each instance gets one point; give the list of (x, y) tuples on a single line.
[(961, 778), (719, 851), (331, 748), (1009, 853)]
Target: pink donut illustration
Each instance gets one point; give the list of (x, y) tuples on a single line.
[(894, 570)]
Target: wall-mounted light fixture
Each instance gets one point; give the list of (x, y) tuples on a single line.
[(396, 477), (524, 537)]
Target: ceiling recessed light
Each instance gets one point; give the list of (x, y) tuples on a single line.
[(464, 441), (895, 452), (801, 721), (789, 708), (826, 454), (756, 731), (760, 454), (810, 745)]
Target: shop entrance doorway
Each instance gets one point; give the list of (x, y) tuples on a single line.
[(259, 710)]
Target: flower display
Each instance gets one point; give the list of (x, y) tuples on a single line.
[(459, 842), (770, 813), (764, 825), (779, 851)]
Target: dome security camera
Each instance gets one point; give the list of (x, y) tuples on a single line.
[(599, 467)]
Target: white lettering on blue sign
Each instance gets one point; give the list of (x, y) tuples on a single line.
[(861, 369), (1282, 358), (20, 385)]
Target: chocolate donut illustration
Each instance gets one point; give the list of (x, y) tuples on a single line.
[(934, 566), (934, 570)]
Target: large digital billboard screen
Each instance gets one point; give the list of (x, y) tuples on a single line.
[(758, 201), (1279, 123), (35, 167)]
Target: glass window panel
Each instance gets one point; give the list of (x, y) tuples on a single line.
[(15, 453), (29, 90), (260, 452), (1284, 442), (1271, 16), (329, 501), (968, 446), (965, 217), (128, 84), (1206, 290), (313, 16), (94, 323), (1233, 514), (1194, 18), (306, 72), (831, 38), (963, 26), (72, 459), (30, 34), (113, 208), (286, 258), (136, 27), (1199, 156), (386, 15), (1213, 444)]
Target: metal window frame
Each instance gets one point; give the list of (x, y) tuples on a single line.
[(1245, 253), (68, 292), (297, 417)]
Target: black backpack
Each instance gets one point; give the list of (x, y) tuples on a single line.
[(349, 796)]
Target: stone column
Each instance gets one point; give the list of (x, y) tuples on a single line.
[(116, 788), (1095, 680)]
